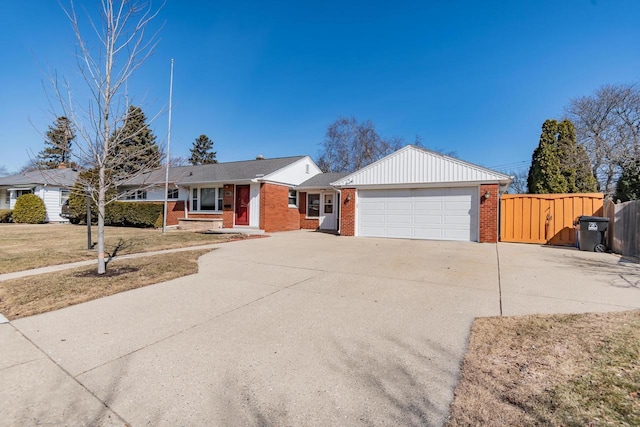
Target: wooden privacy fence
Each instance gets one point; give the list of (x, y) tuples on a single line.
[(624, 226), (545, 218)]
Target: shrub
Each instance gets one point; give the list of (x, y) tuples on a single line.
[(5, 215), (132, 214), (29, 209)]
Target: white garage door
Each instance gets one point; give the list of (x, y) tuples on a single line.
[(423, 213)]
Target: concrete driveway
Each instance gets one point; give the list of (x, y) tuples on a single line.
[(301, 328)]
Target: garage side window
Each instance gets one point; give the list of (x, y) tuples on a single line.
[(313, 205)]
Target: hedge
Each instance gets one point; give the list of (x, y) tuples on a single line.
[(133, 214), (5, 215), (29, 209)]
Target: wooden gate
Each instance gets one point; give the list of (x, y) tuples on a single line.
[(545, 218)]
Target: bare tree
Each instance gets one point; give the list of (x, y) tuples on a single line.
[(3, 170), (350, 145), (109, 52), (608, 126), (519, 183)]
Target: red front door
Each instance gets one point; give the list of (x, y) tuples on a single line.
[(242, 205)]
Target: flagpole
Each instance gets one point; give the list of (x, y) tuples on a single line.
[(166, 171)]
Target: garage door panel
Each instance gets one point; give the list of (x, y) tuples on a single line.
[(399, 218), (428, 233), (423, 219), (426, 213), (462, 220), (462, 205), (403, 232), (373, 218), (373, 205), (395, 205), (421, 205)]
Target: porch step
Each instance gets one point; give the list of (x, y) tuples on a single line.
[(199, 224)]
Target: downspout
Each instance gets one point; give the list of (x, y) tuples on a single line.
[(339, 206)]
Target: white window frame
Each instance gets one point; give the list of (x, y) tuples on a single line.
[(132, 196), (319, 205), (294, 197), (173, 194), (64, 195), (325, 204), (196, 201)]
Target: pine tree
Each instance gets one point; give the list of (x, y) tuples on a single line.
[(134, 147), (59, 139), (559, 164), (545, 175), (628, 186), (586, 182), (575, 165), (202, 151)]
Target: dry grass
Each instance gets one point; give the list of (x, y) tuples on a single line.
[(46, 292), (23, 247), (570, 370)]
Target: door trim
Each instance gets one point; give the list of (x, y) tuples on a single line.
[(247, 206)]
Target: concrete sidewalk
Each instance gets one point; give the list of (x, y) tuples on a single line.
[(302, 328)]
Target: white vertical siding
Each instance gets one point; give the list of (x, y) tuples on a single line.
[(51, 197), (254, 205), (295, 173), (412, 165)]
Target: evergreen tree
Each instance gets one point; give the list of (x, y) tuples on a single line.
[(628, 186), (202, 151), (134, 147), (559, 164), (575, 165), (58, 143), (545, 175), (586, 182)]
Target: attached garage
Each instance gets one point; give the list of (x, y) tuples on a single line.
[(419, 194), (419, 213)]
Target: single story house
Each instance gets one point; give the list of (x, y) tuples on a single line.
[(52, 186), (412, 193), (258, 193)]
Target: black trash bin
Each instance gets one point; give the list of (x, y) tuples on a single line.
[(591, 233)]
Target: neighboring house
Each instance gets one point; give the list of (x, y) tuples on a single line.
[(257, 193), (51, 185), (419, 194), (412, 193)]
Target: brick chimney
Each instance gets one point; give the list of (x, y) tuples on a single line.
[(62, 166)]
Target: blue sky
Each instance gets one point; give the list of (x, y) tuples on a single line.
[(475, 77)]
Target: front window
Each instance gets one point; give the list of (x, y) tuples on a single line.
[(293, 198), (136, 195), (206, 199), (313, 205), (172, 193), (64, 196), (22, 192)]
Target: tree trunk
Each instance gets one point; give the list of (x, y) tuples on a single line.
[(102, 266)]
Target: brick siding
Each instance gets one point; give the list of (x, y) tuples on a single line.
[(348, 212), (306, 223), (489, 213), (275, 213)]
